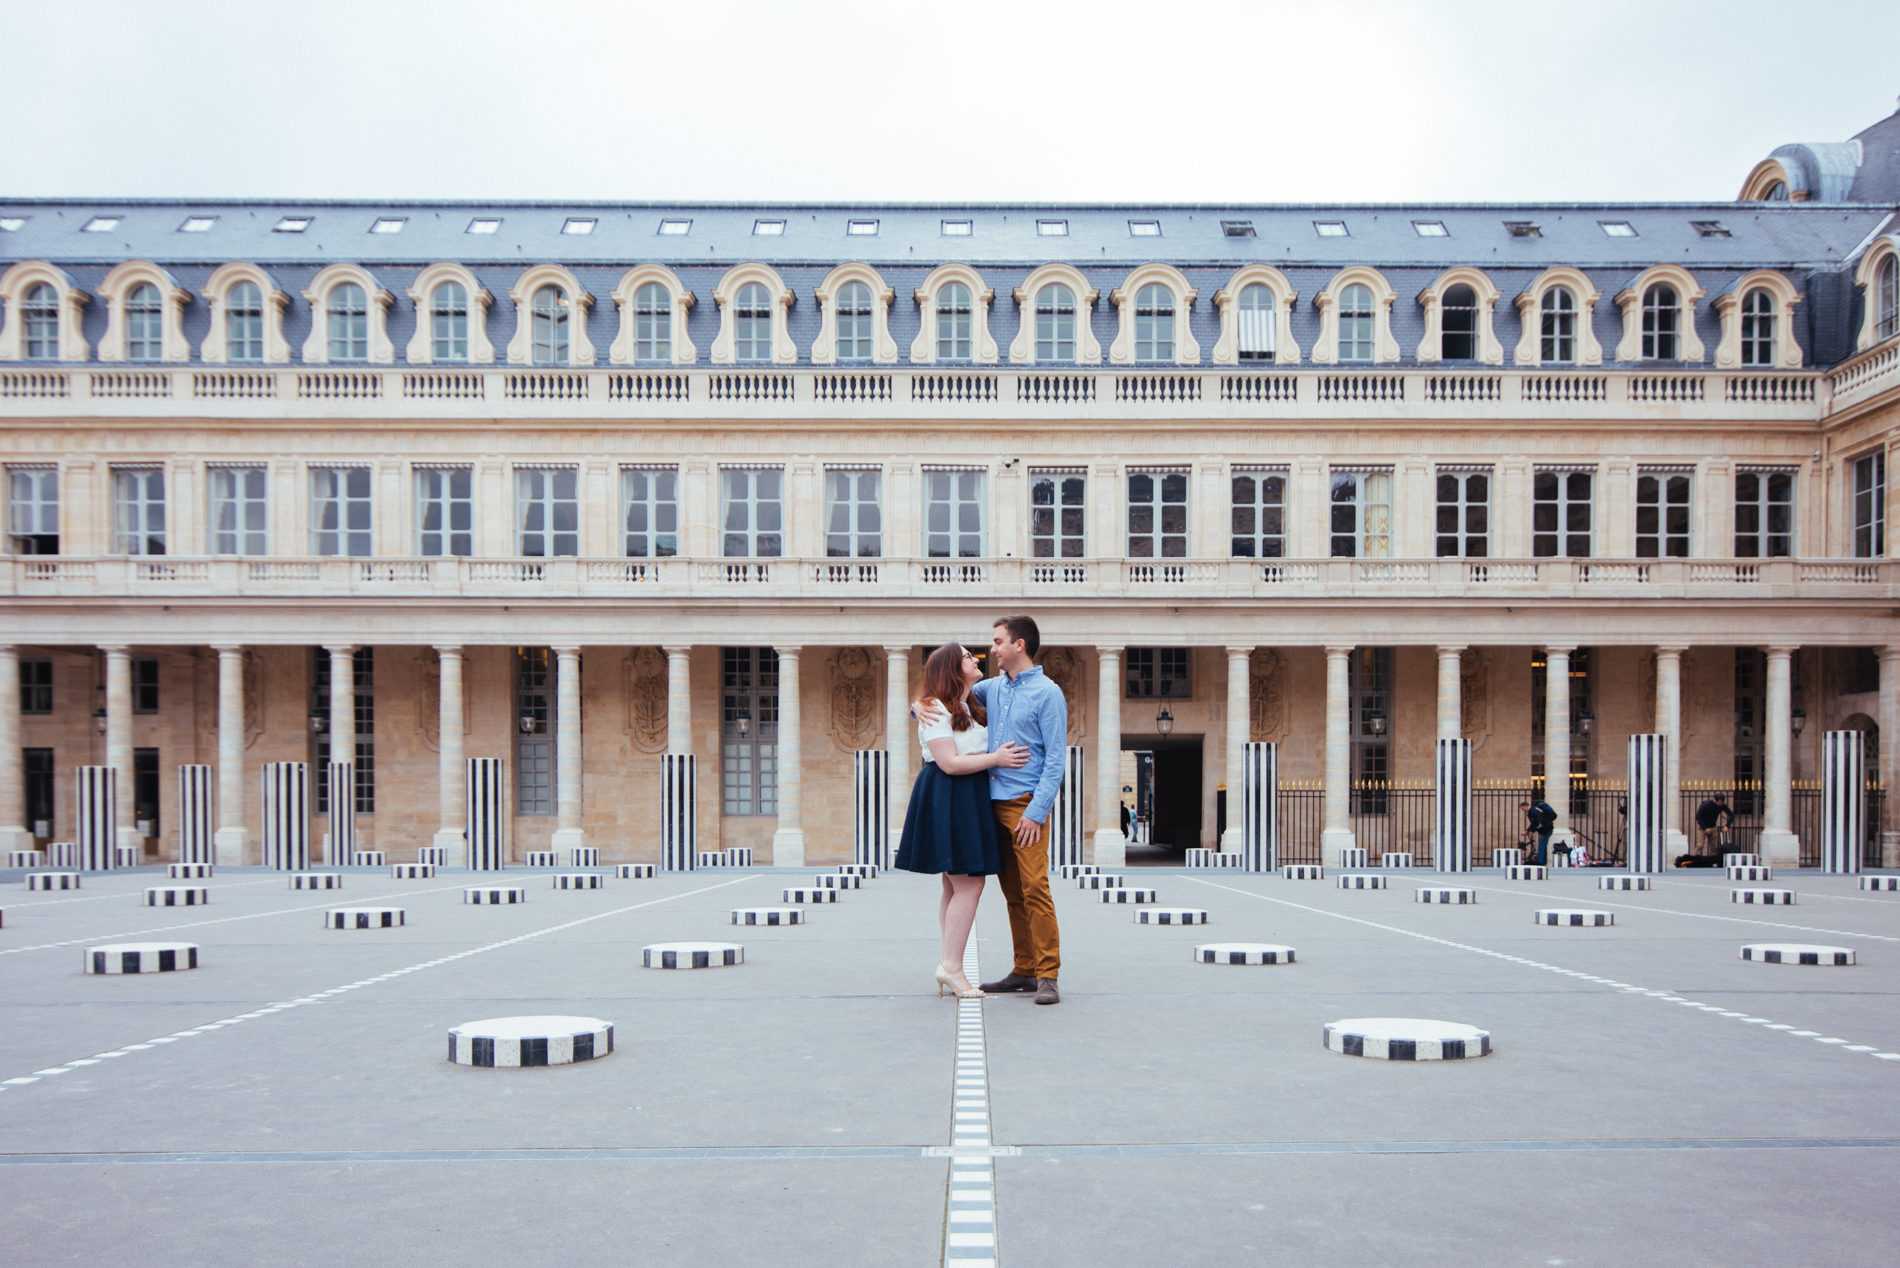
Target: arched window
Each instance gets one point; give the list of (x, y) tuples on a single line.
[(1887, 289), (1458, 325), (1778, 192), (1559, 313), (953, 322), (1355, 323), (1661, 324), (854, 322), (244, 323), (752, 324), (448, 319), (1154, 324), (41, 312), (1257, 322), (1055, 323), (144, 324), (1758, 328), (652, 323), (549, 344), (348, 307)]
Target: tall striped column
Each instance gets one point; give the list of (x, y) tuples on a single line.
[(96, 805), (197, 815), (1648, 827), (1066, 821), (484, 816), (286, 799), (342, 790), (679, 827), (1260, 808), (1843, 800), (1452, 849), (871, 795)]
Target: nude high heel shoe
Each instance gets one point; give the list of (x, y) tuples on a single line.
[(945, 978)]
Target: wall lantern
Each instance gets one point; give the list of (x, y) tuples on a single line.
[(1799, 718), (744, 721)]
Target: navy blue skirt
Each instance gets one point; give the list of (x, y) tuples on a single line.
[(950, 826)]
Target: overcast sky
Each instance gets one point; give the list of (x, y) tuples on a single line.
[(1008, 100)]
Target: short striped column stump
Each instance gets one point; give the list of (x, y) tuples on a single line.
[(494, 895), (1095, 880), (188, 871), (177, 896), (26, 858), (52, 880), (579, 880), (864, 871), (1242, 953), (512, 1043), (1197, 856), (363, 918), (1573, 918), (316, 880), (541, 858), (1526, 872), (141, 957), (1303, 872), (1406, 1039), (710, 858), (1741, 860), (636, 871), (1624, 882), (1069, 871), (803, 895), (1363, 880), (738, 855), (833, 880), (412, 871), (1750, 872), (1395, 860), (126, 856), (1447, 895), (1354, 856), (436, 854), (1762, 897), (767, 916), (1129, 895), (1885, 884), (584, 856), (1506, 858), (368, 858), (1170, 916), (1217, 859), (1796, 953), (692, 955)]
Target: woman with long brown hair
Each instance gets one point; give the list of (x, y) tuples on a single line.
[(950, 828)]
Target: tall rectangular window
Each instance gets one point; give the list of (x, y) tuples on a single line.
[(1764, 514), (650, 518), (534, 740), (33, 510), (362, 728), (239, 512), (445, 511), (1057, 514), (954, 521), (854, 524), (1259, 514), (1870, 506), (753, 517), (748, 761), (1361, 513), (1159, 672), (138, 511), (1157, 514), (547, 512), (1369, 697), (1662, 514), (1562, 521), (39, 790), (339, 511), (145, 684), (1464, 514), (145, 791), (36, 686)]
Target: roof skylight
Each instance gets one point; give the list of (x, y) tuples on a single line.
[(956, 228), (1052, 228), (198, 224), (1523, 229), (100, 224), (1144, 228), (580, 226), (1330, 228), (1711, 228), (861, 228), (12, 224), (675, 228), (483, 224), (292, 224), (1237, 228), (1430, 229), (389, 224), (1617, 228), (767, 228)]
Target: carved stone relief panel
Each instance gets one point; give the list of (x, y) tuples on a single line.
[(1063, 668), (854, 697), (429, 699), (1474, 697), (1266, 695), (253, 698), (646, 699)]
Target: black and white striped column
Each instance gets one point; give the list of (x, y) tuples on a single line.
[(197, 815), (341, 777), (1065, 819), (1260, 808), (1648, 803), (286, 815), (871, 816), (1452, 849), (679, 801), (96, 802), (1843, 800), (484, 814)]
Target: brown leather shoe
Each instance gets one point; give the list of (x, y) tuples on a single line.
[(1046, 991), (1011, 981)]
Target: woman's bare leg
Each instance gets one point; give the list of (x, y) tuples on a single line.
[(958, 914)]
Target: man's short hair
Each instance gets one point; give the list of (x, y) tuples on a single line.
[(1020, 629), (1720, 797)]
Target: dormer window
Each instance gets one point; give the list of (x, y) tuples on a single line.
[(1237, 228), (144, 324), (1710, 229), (1458, 335), (1258, 324), (1055, 323), (1558, 314), (1662, 316), (1523, 229), (1430, 229), (41, 314), (12, 224), (752, 323), (854, 322), (955, 228), (861, 228), (1617, 228), (482, 225), (349, 323), (1144, 228), (579, 226), (198, 224), (550, 311), (1356, 319), (1154, 324), (100, 224)]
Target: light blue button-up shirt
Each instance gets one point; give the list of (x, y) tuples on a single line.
[(1030, 710)]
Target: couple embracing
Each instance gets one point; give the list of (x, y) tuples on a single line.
[(993, 758)]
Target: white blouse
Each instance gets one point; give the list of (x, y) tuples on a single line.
[(974, 740)]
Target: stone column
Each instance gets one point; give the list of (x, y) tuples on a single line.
[(1239, 728), (679, 699), (119, 738), (788, 840), (1557, 740), (342, 732), (233, 838), (568, 833), (451, 774), (1336, 827), (1110, 846), (1889, 754), (899, 734), (1669, 724), (15, 833), (1450, 693), (1779, 845)]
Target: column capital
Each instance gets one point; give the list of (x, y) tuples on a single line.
[(789, 653), (1671, 649), (895, 650), (1238, 652), (1780, 650), (1335, 649), (115, 649), (675, 649), (224, 648), (1451, 649), (1889, 653), (1559, 649), (340, 649), (567, 650), (448, 649), (1110, 651)]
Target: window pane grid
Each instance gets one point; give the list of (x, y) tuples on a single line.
[(1758, 328), (752, 324), (348, 309), (1355, 324), (1561, 514), (1259, 515), (854, 525), (954, 322), (33, 511), (144, 324), (1870, 506), (1662, 516), (954, 522), (653, 323), (138, 512), (549, 333), (1055, 324), (534, 747), (244, 323), (1559, 335), (1464, 515), (1764, 514), (240, 511), (1155, 672), (754, 514), (650, 514), (1057, 515), (1660, 318), (1154, 324), (749, 757), (445, 511), (339, 511), (449, 318), (36, 686), (363, 680), (41, 314), (547, 512), (1157, 515), (854, 322), (1361, 516)]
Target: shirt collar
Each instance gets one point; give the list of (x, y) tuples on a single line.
[(1030, 672)]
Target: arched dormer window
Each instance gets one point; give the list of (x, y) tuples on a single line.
[(244, 323), (247, 317), (1254, 327), (1055, 323), (451, 318), (753, 306), (854, 305), (144, 324), (955, 315), (1153, 303), (1458, 323), (1557, 327), (853, 338), (1757, 315), (548, 340), (653, 306), (1258, 323), (1758, 328), (1458, 333), (1887, 299), (752, 324), (545, 321), (1556, 315), (348, 318), (39, 313), (347, 313), (42, 300), (1659, 309), (145, 314), (1154, 324), (1662, 323), (448, 322), (1056, 301), (1355, 323), (1879, 279)]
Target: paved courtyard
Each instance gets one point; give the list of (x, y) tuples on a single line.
[(1651, 1098)]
